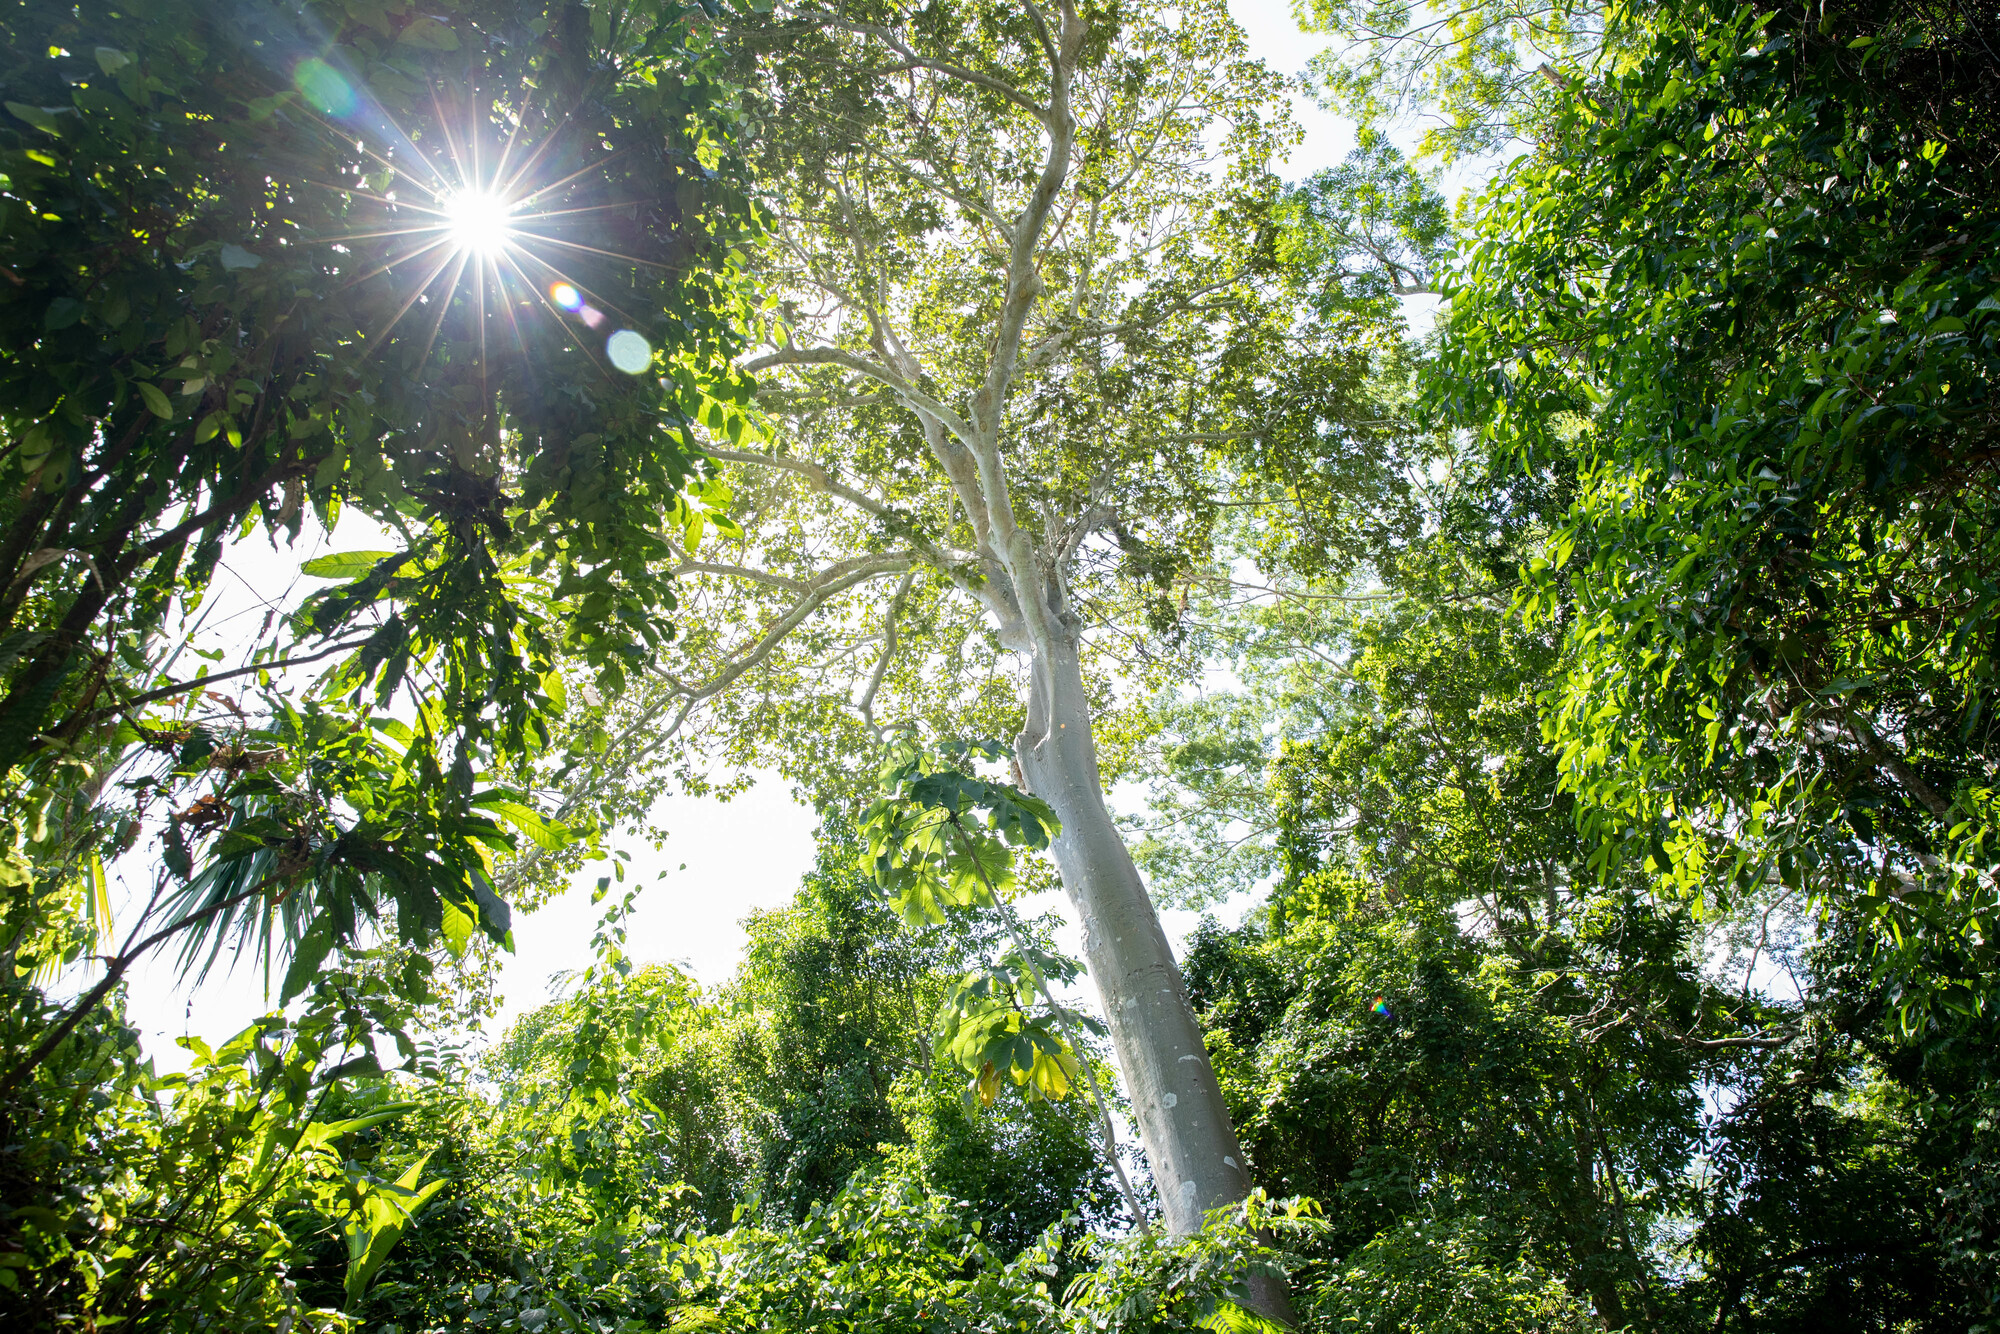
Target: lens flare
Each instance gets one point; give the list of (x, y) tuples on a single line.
[(477, 221), (567, 297), (1381, 1008), (324, 88), (629, 352)]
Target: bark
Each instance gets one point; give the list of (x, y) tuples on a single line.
[(1183, 1122), (1189, 1141)]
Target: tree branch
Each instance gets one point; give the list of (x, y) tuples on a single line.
[(866, 704), (946, 562), (181, 687), (912, 396)]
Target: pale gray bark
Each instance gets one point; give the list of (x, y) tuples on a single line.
[(1183, 1122)]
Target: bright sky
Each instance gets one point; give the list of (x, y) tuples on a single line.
[(723, 860)]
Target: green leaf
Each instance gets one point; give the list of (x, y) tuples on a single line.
[(42, 118), (307, 957), (344, 564), (320, 1134), (496, 918), (428, 33), (457, 927), (526, 819), (156, 402)]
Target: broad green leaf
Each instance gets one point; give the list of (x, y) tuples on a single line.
[(344, 564), (524, 818)]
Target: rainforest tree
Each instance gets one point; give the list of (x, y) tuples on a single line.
[(262, 267), (1745, 291), (1011, 369)]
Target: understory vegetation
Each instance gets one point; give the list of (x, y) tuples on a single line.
[(431, 436)]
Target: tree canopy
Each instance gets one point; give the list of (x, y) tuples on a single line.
[(951, 407), (238, 303)]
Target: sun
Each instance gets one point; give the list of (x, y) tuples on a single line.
[(477, 221)]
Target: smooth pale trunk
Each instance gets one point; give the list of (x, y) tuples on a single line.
[(1190, 1144)]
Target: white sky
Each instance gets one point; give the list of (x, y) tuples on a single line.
[(738, 856)]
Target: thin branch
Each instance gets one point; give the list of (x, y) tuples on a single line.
[(745, 573), (889, 618), (912, 396), (181, 687), (820, 479)]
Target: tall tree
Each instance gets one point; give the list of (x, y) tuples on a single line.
[(1015, 358), (1744, 291)]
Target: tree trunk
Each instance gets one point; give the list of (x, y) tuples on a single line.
[(1190, 1144)]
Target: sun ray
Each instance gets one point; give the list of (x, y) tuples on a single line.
[(416, 293), (604, 254), (561, 315), (341, 238), (546, 214), (479, 321), (444, 308), (514, 132), (579, 172), (535, 156), (593, 298), (396, 168), (406, 258), (507, 311)]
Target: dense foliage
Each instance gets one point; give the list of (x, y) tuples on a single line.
[(1597, 713), (256, 215), (1745, 294)]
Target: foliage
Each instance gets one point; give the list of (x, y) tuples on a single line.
[(1025, 1166), (1484, 73), (159, 1201), (604, 1158), (234, 308), (821, 1026), (922, 848), (247, 210), (1447, 1274), (1611, 740), (1368, 229), (1742, 291), (1200, 1281), (1490, 1062)]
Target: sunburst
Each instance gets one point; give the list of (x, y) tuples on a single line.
[(479, 222)]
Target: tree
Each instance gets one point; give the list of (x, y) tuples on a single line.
[(1487, 1061), (1017, 358), (161, 1202), (621, 1140), (835, 1002), (825, 1047), (1740, 291), (263, 267), (1485, 74)]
